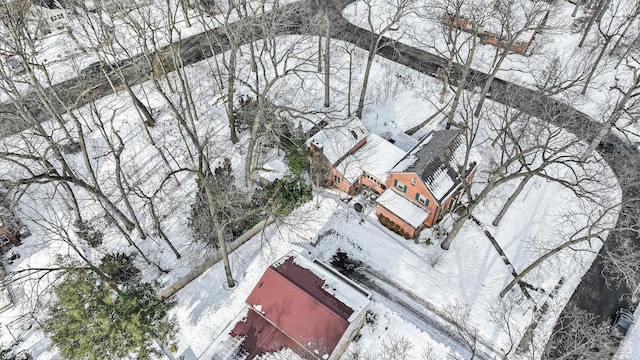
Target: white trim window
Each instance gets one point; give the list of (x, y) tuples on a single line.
[(399, 185), (422, 199), (372, 178)]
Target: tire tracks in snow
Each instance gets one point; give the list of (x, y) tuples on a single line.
[(419, 312)]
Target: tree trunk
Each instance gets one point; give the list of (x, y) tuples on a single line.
[(74, 203), (461, 85), (220, 227), (365, 80), (158, 226), (121, 183), (595, 65), (231, 76), (327, 60), (225, 257), (575, 9), (249, 161), (597, 14), (511, 199), (487, 84), (160, 152), (349, 83), (542, 258), (149, 120), (185, 13), (319, 54), (458, 224)]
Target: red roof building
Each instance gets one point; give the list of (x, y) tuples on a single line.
[(301, 305)]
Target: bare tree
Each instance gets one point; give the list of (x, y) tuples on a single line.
[(517, 19), (523, 148), (579, 335), (266, 116), (463, 330), (461, 24), (620, 258), (597, 11), (380, 25), (610, 25), (628, 101)]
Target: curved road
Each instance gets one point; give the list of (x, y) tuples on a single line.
[(592, 294)]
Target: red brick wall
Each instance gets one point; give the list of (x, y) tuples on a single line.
[(389, 215), (370, 184), (412, 190), (344, 185)]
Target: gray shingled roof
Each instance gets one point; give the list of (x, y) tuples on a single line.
[(434, 161)]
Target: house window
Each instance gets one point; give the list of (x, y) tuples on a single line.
[(373, 179), (413, 181), (57, 17), (337, 179), (422, 199), (400, 186)]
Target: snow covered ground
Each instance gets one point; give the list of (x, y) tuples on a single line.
[(554, 49), (460, 285)]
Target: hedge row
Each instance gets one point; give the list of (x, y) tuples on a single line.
[(393, 226)]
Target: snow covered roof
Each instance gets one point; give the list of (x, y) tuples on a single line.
[(376, 157), (403, 141), (273, 169), (403, 208), (438, 161), (299, 304), (338, 138)]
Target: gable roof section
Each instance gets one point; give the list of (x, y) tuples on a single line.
[(438, 160), (376, 157), (338, 138), (300, 305), (403, 208)]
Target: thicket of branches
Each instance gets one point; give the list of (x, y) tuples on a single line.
[(77, 178)]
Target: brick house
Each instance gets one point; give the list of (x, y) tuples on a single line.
[(301, 305), (370, 164), (41, 16), (427, 183), (417, 186), (335, 143)]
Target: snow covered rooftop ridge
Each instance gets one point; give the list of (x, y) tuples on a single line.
[(338, 138), (438, 160), (376, 157), (298, 304), (403, 208), (334, 284)]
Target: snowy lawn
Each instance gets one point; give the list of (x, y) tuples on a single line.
[(553, 51), (465, 280)]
